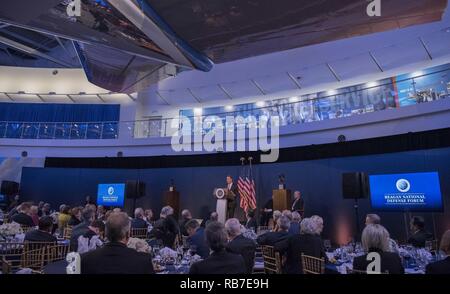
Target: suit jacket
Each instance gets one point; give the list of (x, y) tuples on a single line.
[(23, 219), (390, 262), (246, 248), (439, 267), (252, 224), (419, 238), (198, 240), (219, 263), (166, 229), (294, 228), (271, 238), (39, 236), (183, 230), (294, 246), (138, 223), (298, 205), (235, 190), (78, 231), (116, 258)]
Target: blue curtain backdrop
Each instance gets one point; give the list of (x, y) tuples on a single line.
[(38, 112)]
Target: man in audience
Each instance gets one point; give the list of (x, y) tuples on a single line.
[(115, 257), (298, 204), (267, 212), (87, 217), (220, 261), (375, 238), (251, 221), (43, 233), (23, 217), (374, 219), (101, 211), (138, 222), (75, 217), (148, 216), (45, 211), (88, 200), (419, 235), (443, 266), (196, 238), (166, 228), (294, 228), (307, 242), (271, 238), (34, 210), (318, 224), (92, 239), (239, 244), (185, 217)]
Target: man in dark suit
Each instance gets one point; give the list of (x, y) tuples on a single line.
[(442, 266), (266, 212), (23, 217), (115, 257), (166, 228), (419, 236), (239, 244), (251, 221), (43, 234), (220, 261), (298, 204), (231, 197), (294, 228), (138, 221), (87, 217), (271, 238), (185, 217), (197, 238)]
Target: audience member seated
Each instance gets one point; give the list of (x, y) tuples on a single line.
[(318, 224), (374, 219), (276, 216), (375, 238), (213, 217), (34, 215), (196, 239), (239, 244), (45, 211), (251, 221), (271, 238), (138, 222), (288, 214), (185, 217), (220, 261), (443, 266), (140, 245), (75, 217), (115, 257), (43, 233), (92, 239), (306, 242), (101, 213), (63, 217), (166, 228), (294, 228), (149, 216), (87, 217), (23, 216), (419, 235), (13, 205)]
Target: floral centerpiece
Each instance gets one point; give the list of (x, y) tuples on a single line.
[(10, 230)]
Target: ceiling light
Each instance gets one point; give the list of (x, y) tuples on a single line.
[(229, 108), (260, 104), (371, 84), (332, 92), (293, 99), (198, 111), (417, 74)]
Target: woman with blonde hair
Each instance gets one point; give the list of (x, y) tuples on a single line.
[(375, 241)]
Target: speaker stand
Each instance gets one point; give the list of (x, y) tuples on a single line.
[(356, 235)]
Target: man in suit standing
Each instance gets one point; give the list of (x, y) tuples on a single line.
[(231, 197), (239, 244), (220, 261), (115, 257), (298, 204)]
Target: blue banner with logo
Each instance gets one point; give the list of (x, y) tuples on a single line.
[(111, 194), (406, 192)]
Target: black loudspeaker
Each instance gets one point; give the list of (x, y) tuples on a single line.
[(355, 185), (134, 189), (9, 188)]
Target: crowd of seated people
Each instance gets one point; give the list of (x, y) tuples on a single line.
[(103, 238)]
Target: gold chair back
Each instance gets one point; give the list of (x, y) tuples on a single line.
[(12, 253), (57, 252), (272, 260), (67, 232), (312, 265), (35, 254), (5, 266), (139, 233)]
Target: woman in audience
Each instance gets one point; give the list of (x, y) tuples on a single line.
[(92, 238), (276, 216), (75, 218), (442, 266), (63, 217), (34, 210), (375, 239)]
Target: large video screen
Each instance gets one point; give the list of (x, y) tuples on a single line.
[(406, 192), (111, 195)]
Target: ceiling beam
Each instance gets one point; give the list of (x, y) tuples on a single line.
[(376, 61), (195, 96), (258, 86), (162, 97), (426, 48), (294, 80), (333, 72), (31, 51), (225, 91)]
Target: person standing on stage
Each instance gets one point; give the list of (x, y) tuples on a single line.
[(298, 204), (231, 197)]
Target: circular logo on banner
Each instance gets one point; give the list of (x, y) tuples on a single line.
[(110, 190), (403, 185)]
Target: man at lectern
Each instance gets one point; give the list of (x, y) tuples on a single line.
[(232, 192), (298, 204)]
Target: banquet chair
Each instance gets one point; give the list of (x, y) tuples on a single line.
[(12, 253), (312, 265), (57, 252), (67, 232), (33, 258), (272, 260), (140, 233), (262, 229), (5, 266)]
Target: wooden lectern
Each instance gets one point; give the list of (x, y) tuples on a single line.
[(172, 198), (281, 199)]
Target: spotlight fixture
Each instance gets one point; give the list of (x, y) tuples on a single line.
[(120, 154), (55, 72), (24, 154), (341, 138)]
